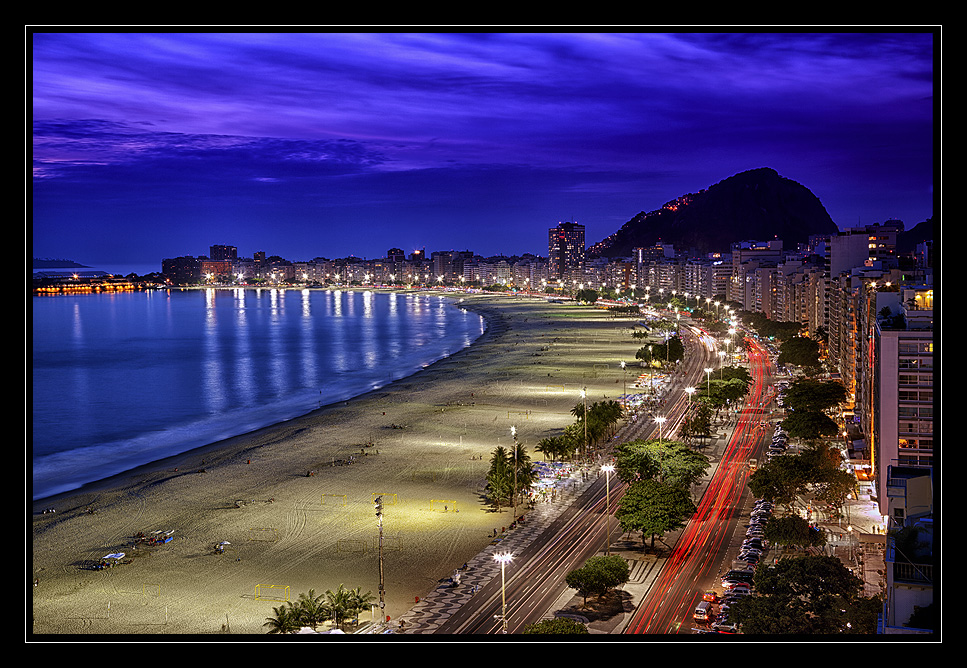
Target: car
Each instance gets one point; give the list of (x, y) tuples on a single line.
[(738, 576), (725, 626), (737, 588), (750, 552), (737, 593)]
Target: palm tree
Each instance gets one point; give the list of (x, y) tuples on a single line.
[(500, 477), (339, 604), (311, 610), (286, 620), (359, 601)]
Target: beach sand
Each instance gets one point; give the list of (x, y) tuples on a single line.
[(295, 500)]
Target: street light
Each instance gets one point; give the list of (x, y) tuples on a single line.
[(513, 432), (584, 396), (378, 504), (708, 379), (607, 468), (660, 420), (503, 558)]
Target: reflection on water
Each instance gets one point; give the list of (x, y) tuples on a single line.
[(124, 379)]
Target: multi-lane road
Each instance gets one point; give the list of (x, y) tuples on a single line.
[(535, 579), (712, 537)]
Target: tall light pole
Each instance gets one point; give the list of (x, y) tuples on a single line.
[(378, 503), (708, 380), (503, 558), (607, 468), (624, 376), (584, 396), (513, 432), (660, 420)]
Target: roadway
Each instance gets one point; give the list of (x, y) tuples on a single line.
[(708, 543), (534, 580)]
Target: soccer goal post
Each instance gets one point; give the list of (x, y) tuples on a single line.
[(267, 592), (443, 505)]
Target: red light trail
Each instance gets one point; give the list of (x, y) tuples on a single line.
[(689, 569)]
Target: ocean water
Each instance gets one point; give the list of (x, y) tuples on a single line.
[(121, 380)]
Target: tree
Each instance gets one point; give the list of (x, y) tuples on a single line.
[(311, 610), (801, 351), (525, 474), (670, 462), (808, 394), (598, 576), (810, 425), (654, 508), (793, 531), (699, 422), (341, 604), (500, 478), (556, 626), (286, 620), (810, 594)]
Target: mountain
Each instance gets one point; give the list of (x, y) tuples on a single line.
[(755, 205), (906, 242)]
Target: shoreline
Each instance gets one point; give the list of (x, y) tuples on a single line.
[(171, 460), (294, 499)]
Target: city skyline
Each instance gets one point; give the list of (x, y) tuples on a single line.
[(152, 145)]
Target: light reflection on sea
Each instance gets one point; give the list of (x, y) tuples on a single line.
[(121, 380)]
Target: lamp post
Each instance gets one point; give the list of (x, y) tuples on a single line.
[(624, 376), (584, 396), (607, 468), (660, 420), (513, 432), (378, 503), (503, 558), (708, 380)]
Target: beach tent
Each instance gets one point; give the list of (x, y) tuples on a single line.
[(114, 555)]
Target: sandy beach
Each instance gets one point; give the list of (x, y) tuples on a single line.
[(295, 501)]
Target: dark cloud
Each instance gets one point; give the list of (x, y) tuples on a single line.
[(294, 142)]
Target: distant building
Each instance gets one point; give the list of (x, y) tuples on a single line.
[(223, 254), (565, 249), (181, 270)]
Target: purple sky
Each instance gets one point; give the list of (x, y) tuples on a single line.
[(153, 145)]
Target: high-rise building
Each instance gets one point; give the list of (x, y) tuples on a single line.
[(220, 253), (565, 249)]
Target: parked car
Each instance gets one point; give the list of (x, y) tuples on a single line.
[(725, 626)]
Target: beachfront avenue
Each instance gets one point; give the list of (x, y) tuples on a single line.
[(534, 582)]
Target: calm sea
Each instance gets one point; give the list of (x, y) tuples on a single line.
[(121, 380)]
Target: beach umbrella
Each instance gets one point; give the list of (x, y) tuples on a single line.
[(114, 555)]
